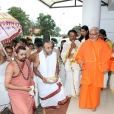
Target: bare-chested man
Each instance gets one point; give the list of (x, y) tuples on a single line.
[(18, 78), (39, 48), (31, 59), (4, 97)]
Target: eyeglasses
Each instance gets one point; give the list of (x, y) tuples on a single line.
[(93, 34)]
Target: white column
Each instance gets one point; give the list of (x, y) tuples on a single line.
[(91, 13)]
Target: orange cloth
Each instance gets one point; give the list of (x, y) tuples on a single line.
[(21, 101), (89, 96), (96, 56)]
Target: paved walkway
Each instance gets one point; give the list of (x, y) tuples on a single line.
[(106, 105)]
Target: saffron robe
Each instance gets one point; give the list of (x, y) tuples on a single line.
[(96, 56), (21, 101)]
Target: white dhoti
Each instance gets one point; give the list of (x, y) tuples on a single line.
[(72, 80), (72, 69), (4, 97), (105, 79), (50, 94), (111, 82), (62, 73), (36, 96)]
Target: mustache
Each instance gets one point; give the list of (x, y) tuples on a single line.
[(48, 53)]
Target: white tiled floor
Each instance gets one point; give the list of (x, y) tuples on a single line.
[(106, 105)]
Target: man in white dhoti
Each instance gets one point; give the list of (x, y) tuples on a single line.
[(46, 68), (4, 97), (61, 65), (31, 59), (72, 81)]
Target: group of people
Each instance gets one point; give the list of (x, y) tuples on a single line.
[(79, 69)]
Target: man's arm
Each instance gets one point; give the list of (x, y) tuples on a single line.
[(30, 58), (35, 66), (8, 76)]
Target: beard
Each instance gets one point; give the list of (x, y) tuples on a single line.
[(48, 53), (22, 60)]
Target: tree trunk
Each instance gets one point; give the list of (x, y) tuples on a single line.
[(46, 37)]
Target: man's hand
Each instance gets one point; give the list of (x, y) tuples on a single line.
[(44, 80), (113, 55), (26, 88), (81, 64), (73, 45), (57, 78), (8, 58)]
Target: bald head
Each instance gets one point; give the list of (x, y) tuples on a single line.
[(93, 34)]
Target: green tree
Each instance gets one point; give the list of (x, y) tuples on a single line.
[(46, 25), (22, 17), (54, 40), (76, 28), (56, 32)]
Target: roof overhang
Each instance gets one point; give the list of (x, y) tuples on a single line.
[(51, 3)]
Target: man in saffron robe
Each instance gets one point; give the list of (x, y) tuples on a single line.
[(93, 56), (17, 79)]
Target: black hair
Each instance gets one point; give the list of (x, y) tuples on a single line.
[(15, 41), (31, 44), (63, 41), (61, 45), (103, 32), (20, 48), (48, 41), (87, 35), (24, 40), (9, 47), (72, 31), (40, 44)]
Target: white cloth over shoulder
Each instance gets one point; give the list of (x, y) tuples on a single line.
[(67, 46), (4, 97), (72, 68), (50, 94)]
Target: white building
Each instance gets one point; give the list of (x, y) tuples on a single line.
[(98, 13)]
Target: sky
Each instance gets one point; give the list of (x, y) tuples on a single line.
[(65, 18)]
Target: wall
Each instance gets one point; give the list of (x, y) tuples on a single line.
[(107, 22)]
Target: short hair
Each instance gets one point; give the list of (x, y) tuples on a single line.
[(103, 32), (72, 31), (95, 28), (31, 44), (39, 44), (24, 40), (9, 47), (15, 41), (48, 42), (20, 48), (63, 41)]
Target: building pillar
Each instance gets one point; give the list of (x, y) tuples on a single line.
[(91, 13)]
